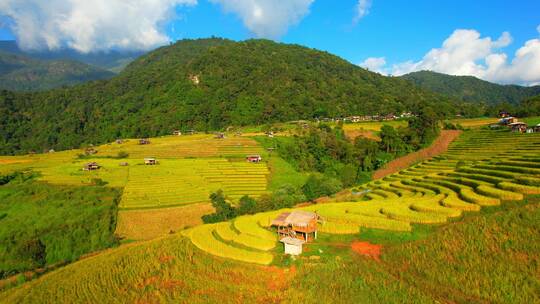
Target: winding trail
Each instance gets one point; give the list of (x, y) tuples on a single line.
[(439, 146)]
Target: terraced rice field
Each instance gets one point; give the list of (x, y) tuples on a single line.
[(202, 145), (177, 182), (190, 168), (482, 168)]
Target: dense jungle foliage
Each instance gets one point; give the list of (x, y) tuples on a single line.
[(43, 224), (206, 84), (472, 89)]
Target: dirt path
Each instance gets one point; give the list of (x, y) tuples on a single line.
[(439, 146)]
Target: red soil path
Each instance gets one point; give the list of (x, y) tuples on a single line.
[(366, 248), (439, 146)]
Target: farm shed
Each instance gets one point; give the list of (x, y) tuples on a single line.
[(520, 127), (91, 166), (124, 164), (144, 141), (536, 128), (254, 158), (119, 141), (293, 246), (177, 133), (220, 136), (150, 161), (301, 225)]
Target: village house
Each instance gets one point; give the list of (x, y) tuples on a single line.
[(295, 229), (253, 158), (91, 166), (150, 161), (518, 127), (144, 141), (508, 120)]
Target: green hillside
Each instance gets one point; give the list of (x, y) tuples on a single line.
[(22, 73), (111, 60), (206, 84), (471, 89)]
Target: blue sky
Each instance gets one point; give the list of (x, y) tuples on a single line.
[(392, 37)]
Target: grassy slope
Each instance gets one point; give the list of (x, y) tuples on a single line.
[(489, 257)]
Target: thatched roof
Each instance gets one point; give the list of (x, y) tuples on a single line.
[(295, 218)]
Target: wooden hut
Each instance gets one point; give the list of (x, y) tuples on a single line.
[(177, 133), (220, 135), (253, 158), (144, 141), (518, 127), (536, 129), (123, 164), (91, 166), (119, 141), (150, 161), (301, 225)]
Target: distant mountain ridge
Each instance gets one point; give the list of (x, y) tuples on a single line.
[(113, 60), (471, 89), (206, 85), (22, 73)]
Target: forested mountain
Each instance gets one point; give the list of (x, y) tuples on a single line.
[(205, 84), (471, 89), (113, 60), (21, 73)]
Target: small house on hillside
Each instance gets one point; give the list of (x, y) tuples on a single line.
[(177, 133), (518, 127), (508, 120), (297, 224), (536, 129), (220, 135), (119, 141), (150, 161), (123, 164), (144, 141), (91, 166), (254, 158)]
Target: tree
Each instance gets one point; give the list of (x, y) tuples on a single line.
[(224, 211), (247, 205), (318, 185)]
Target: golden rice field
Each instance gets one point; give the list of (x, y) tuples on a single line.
[(190, 168), (482, 168)]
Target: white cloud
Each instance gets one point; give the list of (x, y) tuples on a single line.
[(375, 64), (267, 18), (465, 52), (362, 9), (87, 26)]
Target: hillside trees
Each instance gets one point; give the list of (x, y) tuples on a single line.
[(240, 83)]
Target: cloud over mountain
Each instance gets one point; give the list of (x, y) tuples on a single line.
[(90, 25), (267, 18), (466, 52)]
